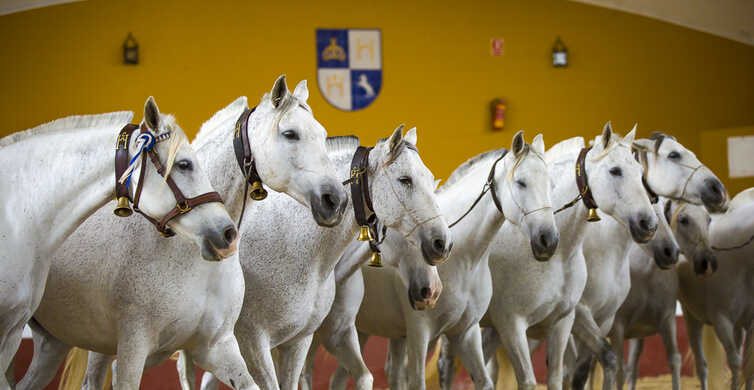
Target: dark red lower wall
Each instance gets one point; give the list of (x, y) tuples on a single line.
[(652, 363)]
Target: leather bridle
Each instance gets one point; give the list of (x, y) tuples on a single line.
[(183, 204), (582, 182), (245, 160), (640, 153)]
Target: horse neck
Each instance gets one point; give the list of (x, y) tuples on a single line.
[(475, 232), (218, 158), (58, 180), (571, 222)]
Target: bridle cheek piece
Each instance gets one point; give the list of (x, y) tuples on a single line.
[(122, 194)]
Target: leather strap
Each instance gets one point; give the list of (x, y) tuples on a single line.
[(359, 184), (582, 181), (488, 186), (245, 159), (121, 159), (183, 204), (641, 156)]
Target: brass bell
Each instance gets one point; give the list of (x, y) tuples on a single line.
[(375, 260), (257, 191), (123, 209), (593, 216), (365, 234)]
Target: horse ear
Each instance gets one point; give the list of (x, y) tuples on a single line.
[(301, 92), (279, 90), (607, 133), (629, 138), (396, 139), (539, 144), (410, 136), (668, 214), (437, 183), (517, 146), (152, 114)]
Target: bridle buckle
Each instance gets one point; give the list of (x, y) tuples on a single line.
[(184, 207)]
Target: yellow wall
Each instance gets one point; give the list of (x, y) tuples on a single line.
[(714, 146), (198, 56)]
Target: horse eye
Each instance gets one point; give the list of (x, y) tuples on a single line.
[(521, 183), (616, 171), (683, 220), (184, 165), (674, 155), (406, 181), (290, 135)]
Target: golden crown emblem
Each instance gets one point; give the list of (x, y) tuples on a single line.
[(333, 51)]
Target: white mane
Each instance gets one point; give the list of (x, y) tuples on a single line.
[(342, 143), (70, 123), (562, 148), (231, 111), (464, 168)]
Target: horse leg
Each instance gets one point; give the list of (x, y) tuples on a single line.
[(10, 374), (346, 348), (512, 334), (223, 359), (557, 341), (134, 347), (11, 331), (96, 371), (632, 367), (469, 347), (291, 359), (491, 343), (586, 330), (694, 331), (209, 382), (186, 370), (339, 379), (725, 331), (617, 339), (394, 364), (668, 334), (306, 374), (417, 342), (446, 369), (49, 352)]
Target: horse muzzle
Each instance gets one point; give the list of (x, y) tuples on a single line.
[(666, 255), (328, 204), (714, 195), (544, 244), (643, 227), (705, 264), (436, 246), (220, 244)]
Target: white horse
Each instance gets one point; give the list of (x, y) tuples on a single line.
[(338, 331), (58, 174), (670, 170), (290, 283), (537, 298), (113, 291), (650, 305), (519, 192), (723, 299)]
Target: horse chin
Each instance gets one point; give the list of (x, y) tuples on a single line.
[(211, 254)]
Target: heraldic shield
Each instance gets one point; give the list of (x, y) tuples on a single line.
[(349, 67)]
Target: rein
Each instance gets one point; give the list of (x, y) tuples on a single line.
[(585, 193), (122, 194), (246, 162), (489, 185)]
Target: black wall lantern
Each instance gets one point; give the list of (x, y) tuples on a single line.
[(130, 50), (559, 54)]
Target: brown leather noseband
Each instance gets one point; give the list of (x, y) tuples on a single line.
[(183, 204)]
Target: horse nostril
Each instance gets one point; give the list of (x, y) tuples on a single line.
[(425, 292), (667, 252), (439, 245), (543, 240), (714, 187), (644, 224), (230, 233), (328, 200)]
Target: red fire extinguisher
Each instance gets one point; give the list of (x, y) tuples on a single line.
[(498, 113)]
